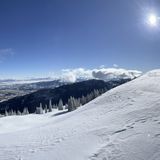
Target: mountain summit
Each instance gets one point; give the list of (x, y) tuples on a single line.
[(122, 124)]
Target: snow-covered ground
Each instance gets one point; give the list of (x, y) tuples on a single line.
[(122, 124)]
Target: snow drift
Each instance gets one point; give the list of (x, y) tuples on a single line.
[(122, 124)]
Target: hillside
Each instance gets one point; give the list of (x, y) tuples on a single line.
[(77, 90), (122, 124)]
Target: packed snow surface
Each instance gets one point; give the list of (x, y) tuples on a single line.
[(122, 124)]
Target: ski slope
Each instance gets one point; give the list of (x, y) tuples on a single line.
[(122, 124)]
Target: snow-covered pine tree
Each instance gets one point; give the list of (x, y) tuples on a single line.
[(18, 113), (25, 111), (76, 102), (46, 110), (72, 104), (83, 100), (11, 112), (66, 106), (88, 98), (95, 93), (39, 110), (50, 106), (14, 113), (6, 113), (60, 105)]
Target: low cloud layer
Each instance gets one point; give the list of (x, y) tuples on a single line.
[(106, 74), (78, 74), (72, 75)]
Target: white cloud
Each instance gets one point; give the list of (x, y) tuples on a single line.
[(115, 65), (5, 53), (102, 66), (72, 75), (115, 73)]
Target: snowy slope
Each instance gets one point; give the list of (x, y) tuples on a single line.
[(122, 124)]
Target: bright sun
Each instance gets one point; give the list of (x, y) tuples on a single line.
[(152, 20)]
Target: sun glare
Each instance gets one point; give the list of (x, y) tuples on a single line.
[(152, 20)]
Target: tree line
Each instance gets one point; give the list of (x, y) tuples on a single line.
[(72, 104)]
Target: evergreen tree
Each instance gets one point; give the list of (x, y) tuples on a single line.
[(76, 102), (11, 112), (14, 113), (83, 100), (88, 98), (66, 106), (95, 93), (46, 110), (60, 105), (6, 113), (50, 105), (25, 111), (70, 104), (18, 113), (39, 110), (73, 104)]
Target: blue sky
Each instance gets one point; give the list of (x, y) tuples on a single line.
[(42, 36)]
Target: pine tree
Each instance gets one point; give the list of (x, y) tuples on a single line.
[(18, 113), (11, 112), (14, 113), (95, 93), (25, 111), (66, 106), (76, 103), (6, 113), (72, 104), (39, 110), (46, 109), (50, 105), (60, 105), (88, 98), (83, 100)]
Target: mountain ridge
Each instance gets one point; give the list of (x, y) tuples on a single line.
[(121, 124), (64, 92)]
